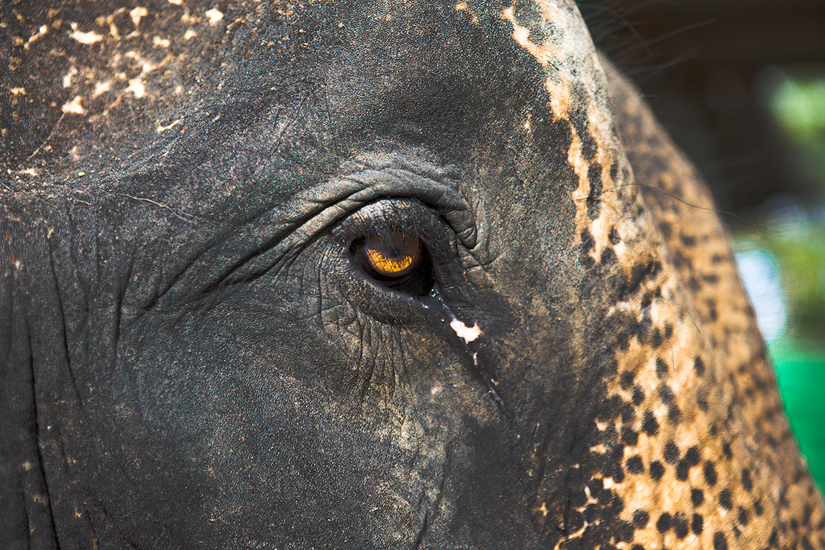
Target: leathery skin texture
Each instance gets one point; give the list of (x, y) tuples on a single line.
[(194, 353)]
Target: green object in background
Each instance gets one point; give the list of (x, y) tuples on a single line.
[(800, 372)]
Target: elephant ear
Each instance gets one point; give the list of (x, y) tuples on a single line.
[(715, 459)]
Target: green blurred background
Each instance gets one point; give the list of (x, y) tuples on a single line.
[(782, 260), (740, 86)]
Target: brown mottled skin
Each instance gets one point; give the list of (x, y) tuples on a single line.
[(191, 355)]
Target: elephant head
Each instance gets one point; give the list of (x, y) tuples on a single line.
[(391, 274)]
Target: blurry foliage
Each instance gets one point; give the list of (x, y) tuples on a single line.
[(792, 231), (799, 251), (796, 98)]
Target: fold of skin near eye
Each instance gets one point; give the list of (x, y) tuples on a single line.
[(192, 356)]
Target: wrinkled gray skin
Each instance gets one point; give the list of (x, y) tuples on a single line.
[(191, 355)]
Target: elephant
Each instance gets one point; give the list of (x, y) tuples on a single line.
[(367, 274)]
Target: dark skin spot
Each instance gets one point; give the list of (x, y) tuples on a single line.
[(608, 257), (628, 413), (688, 240), (656, 470), (594, 200), (661, 368), (674, 414), (656, 340), (638, 396), (710, 473), (697, 523), (614, 236), (635, 465), (743, 516), (697, 496), (727, 451), (693, 456), (680, 525), (629, 436), (640, 519), (757, 507), (682, 470), (623, 532), (671, 453), (699, 366), (719, 541), (650, 425), (664, 523), (747, 484), (725, 499), (666, 394)]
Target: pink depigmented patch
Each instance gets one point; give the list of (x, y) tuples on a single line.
[(468, 334)]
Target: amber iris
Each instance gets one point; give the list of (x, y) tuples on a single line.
[(392, 254)]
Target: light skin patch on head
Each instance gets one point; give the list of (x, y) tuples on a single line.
[(137, 14), (189, 34), (101, 88), (162, 128), (571, 62), (462, 6), (90, 37), (36, 36), (67, 78), (214, 16), (74, 107)]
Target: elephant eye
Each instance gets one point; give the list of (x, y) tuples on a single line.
[(396, 260), (393, 255)]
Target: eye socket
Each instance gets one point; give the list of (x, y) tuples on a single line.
[(397, 260)]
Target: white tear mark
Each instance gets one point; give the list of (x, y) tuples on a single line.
[(85, 37), (74, 106), (468, 334), (214, 16)]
